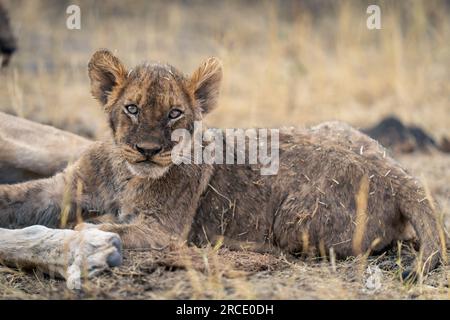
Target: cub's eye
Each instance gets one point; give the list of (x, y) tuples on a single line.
[(132, 109), (175, 113)]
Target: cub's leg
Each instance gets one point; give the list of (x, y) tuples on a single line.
[(418, 211), (353, 220), (138, 235), (306, 224), (65, 253), (34, 202)]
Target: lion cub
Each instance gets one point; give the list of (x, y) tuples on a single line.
[(335, 187)]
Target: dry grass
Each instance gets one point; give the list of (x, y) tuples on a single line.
[(286, 63)]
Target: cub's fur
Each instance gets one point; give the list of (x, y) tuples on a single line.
[(335, 188)]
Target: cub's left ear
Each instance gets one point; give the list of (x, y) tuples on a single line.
[(205, 83)]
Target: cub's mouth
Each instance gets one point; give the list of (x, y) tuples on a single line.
[(162, 160), (147, 167), (134, 158)]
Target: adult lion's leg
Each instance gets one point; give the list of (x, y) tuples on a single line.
[(29, 149), (61, 252)]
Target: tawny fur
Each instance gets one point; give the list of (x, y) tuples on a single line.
[(336, 187)]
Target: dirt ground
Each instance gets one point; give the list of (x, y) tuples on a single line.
[(285, 63)]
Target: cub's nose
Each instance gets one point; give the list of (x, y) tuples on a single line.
[(148, 149)]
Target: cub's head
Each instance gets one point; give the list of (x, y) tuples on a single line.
[(147, 103)]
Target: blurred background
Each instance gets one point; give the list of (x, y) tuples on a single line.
[(285, 62)]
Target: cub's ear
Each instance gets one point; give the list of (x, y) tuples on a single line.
[(205, 83), (105, 71)]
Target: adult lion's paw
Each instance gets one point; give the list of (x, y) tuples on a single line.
[(91, 251)]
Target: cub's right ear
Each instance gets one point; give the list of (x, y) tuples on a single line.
[(205, 83), (106, 72)]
